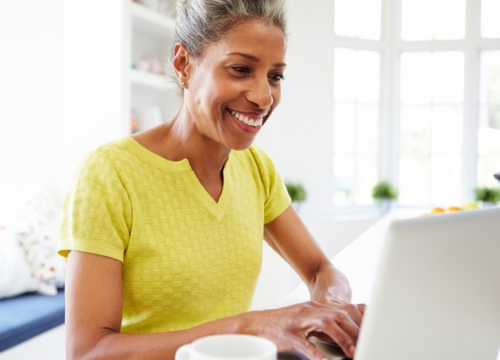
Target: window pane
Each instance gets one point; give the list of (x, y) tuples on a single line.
[(415, 130), (448, 76), (414, 180), (344, 128), (489, 141), (433, 19), (416, 20), (446, 180), (369, 19), (447, 130), (366, 178), (449, 19), (416, 78), (346, 17), (489, 119), (368, 76), (344, 81), (344, 179), (358, 18), (490, 24), (367, 129), (490, 76), (487, 166)]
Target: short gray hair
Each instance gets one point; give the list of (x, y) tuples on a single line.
[(200, 22)]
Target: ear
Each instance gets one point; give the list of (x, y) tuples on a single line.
[(181, 62)]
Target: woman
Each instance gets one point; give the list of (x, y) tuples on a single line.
[(163, 230)]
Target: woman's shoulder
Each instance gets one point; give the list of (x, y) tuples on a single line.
[(259, 157), (106, 157), (255, 160)]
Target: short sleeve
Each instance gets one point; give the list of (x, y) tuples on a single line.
[(96, 213), (277, 199)]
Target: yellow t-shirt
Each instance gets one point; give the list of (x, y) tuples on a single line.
[(186, 259)]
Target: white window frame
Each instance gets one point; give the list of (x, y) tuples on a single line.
[(390, 47)]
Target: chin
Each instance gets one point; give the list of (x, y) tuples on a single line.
[(241, 145)]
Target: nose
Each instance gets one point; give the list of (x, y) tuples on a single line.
[(260, 94)]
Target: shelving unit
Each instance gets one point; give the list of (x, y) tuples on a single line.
[(147, 79), (150, 22), (148, 32)]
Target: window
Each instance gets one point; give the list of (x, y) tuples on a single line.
[(489, 119), (358, 18), (436, 67), (356, 78), (490, 26), (433, 19), (431, 127)]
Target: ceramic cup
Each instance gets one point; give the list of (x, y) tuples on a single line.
[(225, 347)]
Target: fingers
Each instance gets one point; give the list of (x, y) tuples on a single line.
[(354, 312), (307, 348), (342, 330), (361, 308)]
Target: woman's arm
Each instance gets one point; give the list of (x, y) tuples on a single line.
[(289, 237), (94, 314)]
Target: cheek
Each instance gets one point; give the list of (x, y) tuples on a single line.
[(276, 93)]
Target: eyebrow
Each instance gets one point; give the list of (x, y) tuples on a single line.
[(255, 59)]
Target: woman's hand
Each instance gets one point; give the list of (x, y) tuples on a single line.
[(289, 328), (355, 311)]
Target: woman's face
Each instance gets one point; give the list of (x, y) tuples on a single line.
[(232, 89)]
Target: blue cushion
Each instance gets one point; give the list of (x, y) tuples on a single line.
[(28, 315)]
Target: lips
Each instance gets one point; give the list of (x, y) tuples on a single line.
[(250, 119), (253, 129)]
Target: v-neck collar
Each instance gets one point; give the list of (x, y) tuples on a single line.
[(217, 209)]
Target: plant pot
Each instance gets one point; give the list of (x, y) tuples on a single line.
[(487, 205), (385, 205)]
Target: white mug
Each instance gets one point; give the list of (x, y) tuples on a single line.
[(225, 347)]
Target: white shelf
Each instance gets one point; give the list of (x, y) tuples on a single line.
[(150, 22), (155, 81)]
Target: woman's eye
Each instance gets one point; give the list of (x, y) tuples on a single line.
[(277, 77), (241, 69)]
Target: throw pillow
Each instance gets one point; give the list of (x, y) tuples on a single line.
[(15, 272)]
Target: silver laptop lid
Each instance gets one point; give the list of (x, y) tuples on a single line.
[(437, 290)]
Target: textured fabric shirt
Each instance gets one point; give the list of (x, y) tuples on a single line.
[(186, 258)]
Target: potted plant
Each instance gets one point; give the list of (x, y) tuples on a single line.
[(297, 193), (385, 194), (487, 196)]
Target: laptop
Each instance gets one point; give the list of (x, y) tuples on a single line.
[(436, 295)]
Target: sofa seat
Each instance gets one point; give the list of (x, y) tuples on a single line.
[(28, 315)]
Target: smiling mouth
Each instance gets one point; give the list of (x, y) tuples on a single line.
[(250, 121)]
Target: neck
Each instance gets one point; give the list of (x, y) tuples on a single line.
[(181, 139)]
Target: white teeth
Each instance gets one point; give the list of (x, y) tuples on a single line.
[(246, 119)]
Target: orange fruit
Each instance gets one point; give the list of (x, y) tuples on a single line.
[(437, 210), (453, 208)]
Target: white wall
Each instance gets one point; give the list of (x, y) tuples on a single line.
[(30, 98), (299, 135), (93, 78)]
